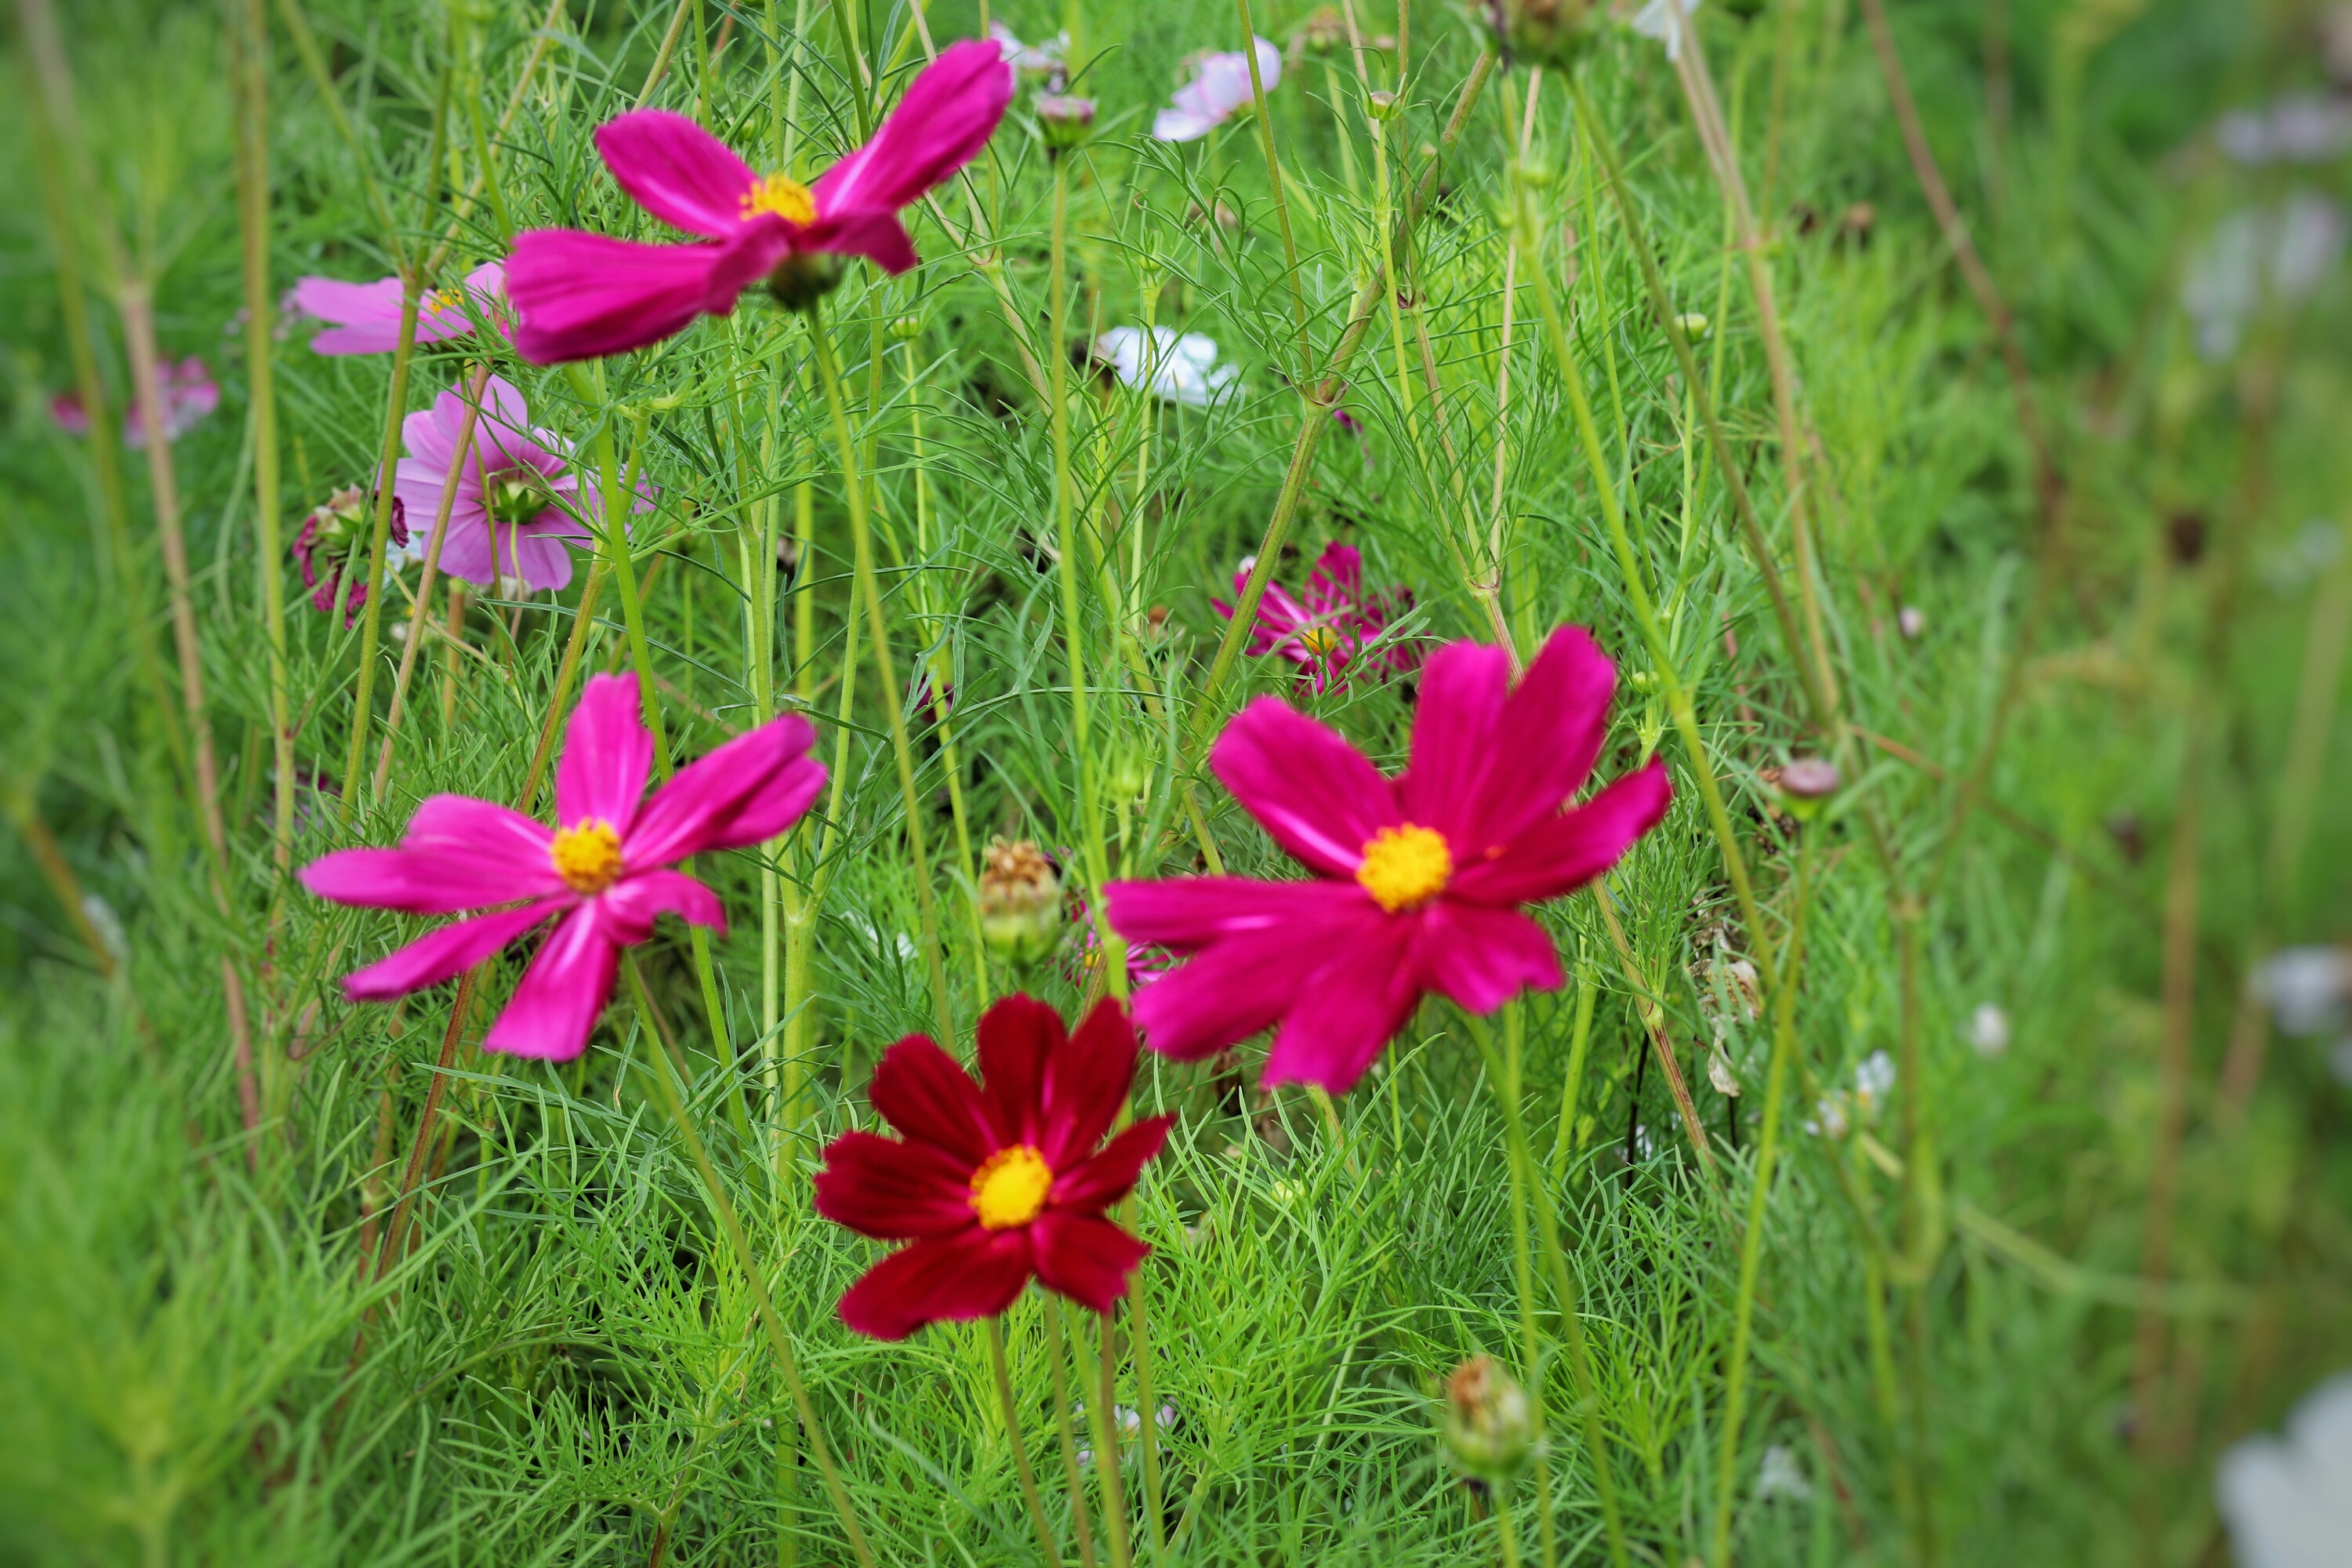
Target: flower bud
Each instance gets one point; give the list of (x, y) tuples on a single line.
[(906, 329), (1020, 901), (1066, 122), (1543, 32), (1382, 105), (1805, 784), (1694, 325), (1488, 1424), (802, 278)]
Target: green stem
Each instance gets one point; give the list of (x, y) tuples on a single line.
[(674, 1101), (1056, 1357), (893, 700), (1564, 1138), (1020, 1449), (253, 209), (1105, 1422), (395, 410), (1281, 204), (1523, 1271)]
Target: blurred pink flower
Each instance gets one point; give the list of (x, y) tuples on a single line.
[(335, 539), (1220, 84), (190, 394), (519, 507), (1329, 628), (366, 316), (578, 295), (1418, 879), (67, 410), (602, 872)]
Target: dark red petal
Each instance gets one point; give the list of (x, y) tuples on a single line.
[(1314, 794), (975, 1273), (1560, 855), (1018, 1037), (1482, 957), (1085, 1083), (893, 1191), (922, 1094), (1085, 1258), (1096, 1184), (1348, 1009)]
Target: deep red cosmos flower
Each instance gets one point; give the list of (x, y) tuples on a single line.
[(1328, 628), (996, 1181), (1418, 879), (577, 295)]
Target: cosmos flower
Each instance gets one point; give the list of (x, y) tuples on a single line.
[(519, 504), (1046, 62), (2288, 1501), (2277, 254), (190, 394), (993, 1182), (1175, 367), (335, 539), (581, 295), (1220, 84), (1418, 879), (1653, 20), (603, 873), (365, 317), (1328, 630)]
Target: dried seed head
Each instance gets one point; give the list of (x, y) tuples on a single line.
[(1020, 901), (1488, 1424)]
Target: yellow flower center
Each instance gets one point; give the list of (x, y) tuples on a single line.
[(437, 301), (1405, 867), (782, 195), (588, 857), (1010, 1189), (1319, 640)]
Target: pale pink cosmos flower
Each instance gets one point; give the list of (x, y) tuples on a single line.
[(365, 317), (1417, 881), (189, 395), (602, 873), (1220, 84), (519, 507), (578, 296), (1330, 628), (67, 411)]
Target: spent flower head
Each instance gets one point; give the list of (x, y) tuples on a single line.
[(1487, 1423)]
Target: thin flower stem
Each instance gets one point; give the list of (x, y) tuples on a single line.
[(1563, 1140), (1147, 1399), (1090, 834), (1509, 1091), (1506, 1528), (674, 1101), (1654, 1023), (306, 44), (371, 617), (1056, 1357), (892, 699), (1767, 1150), (1105, 1422), (1012, 1409), (424, 605), (1281, 205)]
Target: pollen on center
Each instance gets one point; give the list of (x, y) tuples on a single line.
[(1404, 866), (1319, 640), (782, 195), (1010, 1187), (587, 856)]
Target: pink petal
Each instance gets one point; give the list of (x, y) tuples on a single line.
[(561, 993), (893, 1191), (459, 854), (919, 1090), (677, 171), (1313, 792), (879, 237), (607, 752), (1096, 1183), (747, 791), (974, 1274), (1242, 983), (578, 296), (1482, 957), (1183, 125), (1085, 1083), (628, 906), (1560, 855), (947, 117), (430, 959), (1348, 1009), (1545, 740), (543, 560), (367, 315), (1454, 741), (1085, 1258), (1188, 913)]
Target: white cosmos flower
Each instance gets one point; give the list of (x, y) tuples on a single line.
[(2288, 1501), (1044, 60), (2298, 128), (1220, 84), (1654, 21), (2307, 989), (1988, 1029), (1780, 1476), (2283, 251), (1177, 367)]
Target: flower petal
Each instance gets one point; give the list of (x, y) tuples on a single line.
[(459, 854), (893, 1191), (1085, 1083), (366, 316), (430, 959), (561, 993), (947, 117), (1349, 1008), (1085, 1258), (677, 171), (629, 905), (1482, 957), (1019, 1039), (1235, 987), (1095, 1184), (747, 791), (1545, 739), (1188, 913), (1313, 792), (578, 296), (1461, 701), (974, 1274), (1560, 855), (879, 237), (920, 1091), (607, 752)]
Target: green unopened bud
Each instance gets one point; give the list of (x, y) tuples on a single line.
[(906, 329), (802, 278), (1806, 784), (1543, 32), (1382, 105), (1694, 325), (1066, 122), (1488, 1424), (1020, 901)]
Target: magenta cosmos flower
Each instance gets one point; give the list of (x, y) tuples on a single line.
[(993, 1182), (581, 295), (1418, 879), (1326, 630), (602, 873), (365, 317), (519, 505)]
